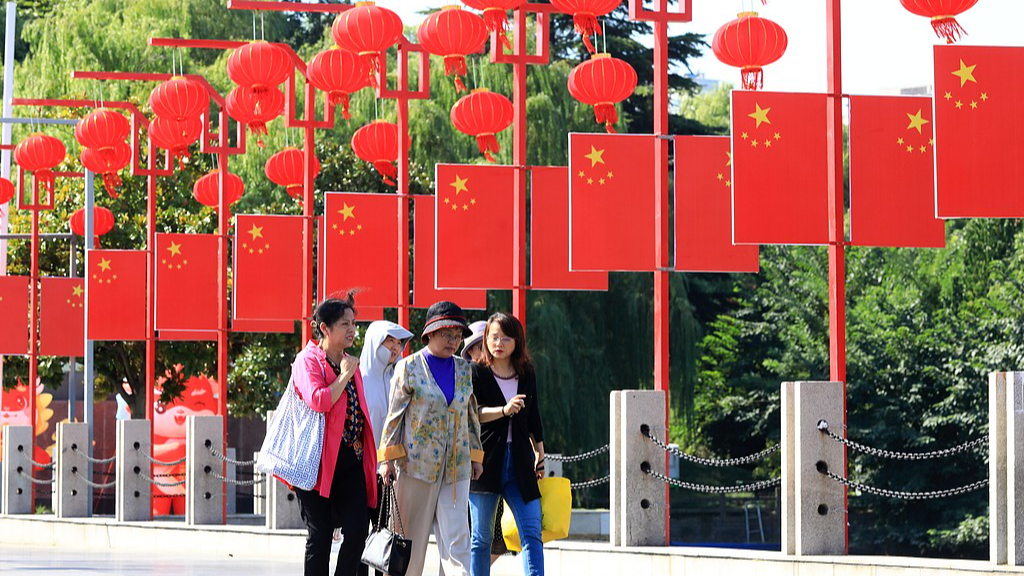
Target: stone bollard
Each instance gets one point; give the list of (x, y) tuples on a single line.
[(640, 503), (230, 488), (283, 510), (1006, 467), (133, 492), (204, 491), (615, 467), (813, 505), (73, 496), (259, 492), (16, 489)]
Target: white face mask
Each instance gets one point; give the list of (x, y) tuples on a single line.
[(383, 355)]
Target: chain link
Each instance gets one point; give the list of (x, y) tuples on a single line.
[(36, 464), (161, 484), (907, 495), (252, 482), (754, 487), (161, 462), (712, 461), (578, 457), (35, 480), (95, 484), (590, 483), (94, 460), (224, 458), (823, 427)]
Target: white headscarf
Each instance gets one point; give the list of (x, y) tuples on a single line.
[(376, 370)]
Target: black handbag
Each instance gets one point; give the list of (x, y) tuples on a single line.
[(385, 550)]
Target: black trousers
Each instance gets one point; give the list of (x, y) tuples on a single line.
[(345, 509)]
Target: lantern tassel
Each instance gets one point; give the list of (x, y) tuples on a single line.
[(947, 27), (586, 24), (488, 143), (455, 65), (753, 78), (46, 178), (497, 22), (371, 60), (605, 113), (260, 130), (388, 170), (295, 192), (342, 99), (111, 181)]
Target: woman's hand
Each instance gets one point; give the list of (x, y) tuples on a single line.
[(478, 470), (386, 470), (349, 364), (538, 465), (517, 403)]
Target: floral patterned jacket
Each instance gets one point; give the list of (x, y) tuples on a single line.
[(421, 426)]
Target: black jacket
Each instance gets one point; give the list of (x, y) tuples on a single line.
[(494, 434)]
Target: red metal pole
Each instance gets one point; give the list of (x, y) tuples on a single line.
[(150, 391), (308, 209), (223, 231), (33, 306), (519, 161), (402, 104)]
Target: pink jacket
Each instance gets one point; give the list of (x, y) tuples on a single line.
[(308, 374)]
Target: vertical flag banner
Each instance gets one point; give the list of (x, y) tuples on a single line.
[(979, 132), (780, 168), (267, 278), (117, 295), (475, 223), (423, 292), (703, 186), (612, 202), (892, 173), (14, 314), (62, 317), (186, 283), (360, 248), (549, 239)]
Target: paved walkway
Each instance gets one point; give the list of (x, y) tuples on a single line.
[(22, 560)]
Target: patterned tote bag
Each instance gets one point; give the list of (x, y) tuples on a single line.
[(294, 442)]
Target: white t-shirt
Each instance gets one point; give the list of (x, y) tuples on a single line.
[(509, 388)]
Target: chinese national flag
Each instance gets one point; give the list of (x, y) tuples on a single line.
[(549, 246), (14, 314), (117, 295), (704, 208), (892, 177), (979, 130), (612, 202), (423, 292), (360, 249), (780, 168), (268, 268), (474, 215), (186, 282), (62, 317)]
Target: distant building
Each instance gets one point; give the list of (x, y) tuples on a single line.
[(706, 84)]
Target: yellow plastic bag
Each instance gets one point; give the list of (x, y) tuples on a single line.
[(555, 509)]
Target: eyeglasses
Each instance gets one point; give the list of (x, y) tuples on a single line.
[(450, 336), (500, 339)]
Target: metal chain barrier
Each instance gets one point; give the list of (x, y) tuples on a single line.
[(590, 483), (161, 484), (95, 484), (91, 459), (907, 495), (224, 458), (754, 487), (34, 480), (161, 462), (710, 461), (577, 457), (252, 482), (823, 427), (36, 464)]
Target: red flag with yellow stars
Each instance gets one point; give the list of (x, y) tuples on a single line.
[(360, 249), (612, 202), (267, 279), (892, 173), (704, 208), (474, 238), (14, 314), (423, 292), (780, 170), (979, 132), (62, 317), (549, 240), (117, 295), (186, 282)]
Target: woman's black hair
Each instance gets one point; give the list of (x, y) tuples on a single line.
[(521, 361), (330, 311)]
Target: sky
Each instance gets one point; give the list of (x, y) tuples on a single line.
[(885, 48)]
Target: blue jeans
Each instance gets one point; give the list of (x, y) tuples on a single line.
[(483, 506)]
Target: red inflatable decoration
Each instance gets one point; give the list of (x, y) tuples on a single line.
[(259, 65), (102, 128), (107, 162), (943, 14), (584, 16), (39, 154), (750, 42), (179, 99), (452, 33), (207, 192), (377, 142), (367, 30), (7, 192), (339, 73), (495, 17), (287, 168), (103, 221), (601, 82), (254, 108), (175, 136), (483, 114)]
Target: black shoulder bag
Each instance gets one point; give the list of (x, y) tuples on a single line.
[(387, 551)]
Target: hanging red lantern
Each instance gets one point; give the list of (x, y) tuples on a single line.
[(495, 17), (259, 65), (367, 30), (102, 222), (750, 42), (584, 16), (377, 143), (339, 73), (179, 99), (107, 162), (175, 136), (255, 108), (7, 192), (102, 128), (601, 82), (483, 114), (943, 14), (207, 189), (452, 33), (288, 168), (39, 154)]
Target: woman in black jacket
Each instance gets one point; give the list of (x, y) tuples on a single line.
[(513, 440)]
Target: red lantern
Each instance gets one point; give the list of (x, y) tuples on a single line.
[(339, 73), (102, 222), (601, 82), (943, 14), (107, 162), (207, 189), (255, 108), (453, 33), (102, 128), (175, 136), (288, 168), (748, 43), (179, 99), (39, 154), (7, 192), (494, 15), (482, 114), (377, 142), (367, 30), (584, 16), (259, 65)]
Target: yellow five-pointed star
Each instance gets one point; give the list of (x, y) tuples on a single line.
[(729, 154), (77, 291), (761, 115), (459, 185), (104, 264), (347, 211), (175, 249), (256, 232), (916, 121), (965, 73), (596, 156)]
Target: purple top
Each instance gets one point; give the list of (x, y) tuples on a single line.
[(443, 371)]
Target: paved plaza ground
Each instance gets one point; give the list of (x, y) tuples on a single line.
[(73, 562)]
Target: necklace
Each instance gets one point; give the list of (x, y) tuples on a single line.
[(509, 377)]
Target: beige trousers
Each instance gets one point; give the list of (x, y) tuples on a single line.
[(443, 508)]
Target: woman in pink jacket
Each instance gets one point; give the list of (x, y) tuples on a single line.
[(328, 380)]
